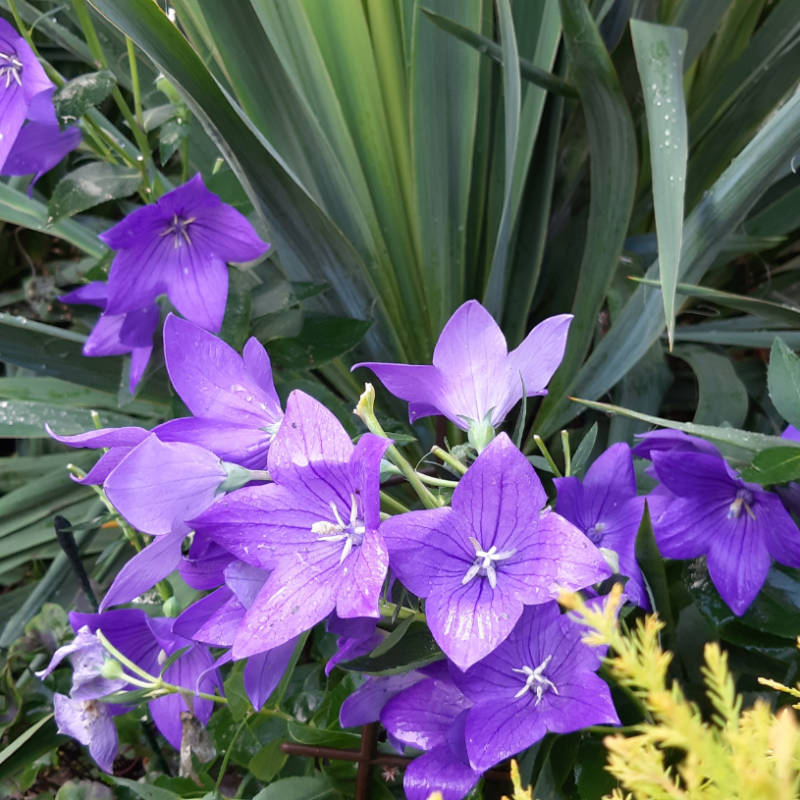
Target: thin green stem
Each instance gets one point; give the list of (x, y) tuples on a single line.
[(567, 453), (449, 459), (546, 453), (391, 610), (228, 750), (366, 412), (396, 506), (432, 481), (137, 91)]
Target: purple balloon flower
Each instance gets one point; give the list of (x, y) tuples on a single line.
[(118, 334), (605, 507), (481, 561), (430, 716), (473, 378), (178, 247), (704, 509), (38, 148), (315, 527), (540, 679), (236, 409), (25, 90)]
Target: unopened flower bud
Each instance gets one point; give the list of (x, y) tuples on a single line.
[(111, 669)]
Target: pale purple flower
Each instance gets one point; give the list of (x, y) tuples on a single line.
[(605, 507), (704, 509), (118, 334), (25, 90), (430, 716), (473, 378), (494, 552), (540, 679), (179, 247), (236, 409), (315, 527)]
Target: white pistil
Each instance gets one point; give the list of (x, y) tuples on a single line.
[(743, 499), (180, 227), (484, 563), (351, 533), (535, 681), (11, 67)]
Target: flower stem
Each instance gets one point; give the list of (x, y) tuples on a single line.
[(432, 481), (365, 411), (567, 453), (449, 459), (395, 505), (546, 453), (388, 609)]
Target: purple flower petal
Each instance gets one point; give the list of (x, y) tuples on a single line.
[(366, 702), (438, 770), (90, 722), (38, 148), (198, 286), (159, 485), (363, 572), (145, 569), (93, 294), (263, 672)]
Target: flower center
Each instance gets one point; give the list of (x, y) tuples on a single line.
[(484, 564), (10, 67), (743, 500), (179, 228), (595, 533), (351, 532), (536, 681)]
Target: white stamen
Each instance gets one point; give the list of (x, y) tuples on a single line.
[(743, 499), (11, 67), (484, 563), (351, 532), (536, 681)]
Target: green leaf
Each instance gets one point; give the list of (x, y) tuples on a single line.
[(91, 185), (84, 790), (171, 136), (652, 566), (776, 609), (144, 790), (268, 761), (659, 53), (418, 649), (775, 465), (483, 44), (320, 737), (613, 161), (583, 451), (19, 209), (299, 788), (81, 93), (783, 381), (393, 638), (24, 419), (747, 440), (321, 340), (722, 397)]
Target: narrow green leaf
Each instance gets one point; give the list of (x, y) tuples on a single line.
[(783, 381), (652, 566), (393, 638), (746, 440), (76, 96), (613, 156), (483, 44), (760, 339), (91, 185), (19, 209), (494, 295), (29, 733), (25, 419), (583, 451), (722, 397), (659, 53), (775, 465), (778, 312), (418, 649), (146, 791), (307, 734)]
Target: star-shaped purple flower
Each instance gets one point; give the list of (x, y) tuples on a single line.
[(118, 334), (481, 561), (473, 378), (236, 409), (315, 527), (540, 679), (179, 247), (605, 507), (704, 509)]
